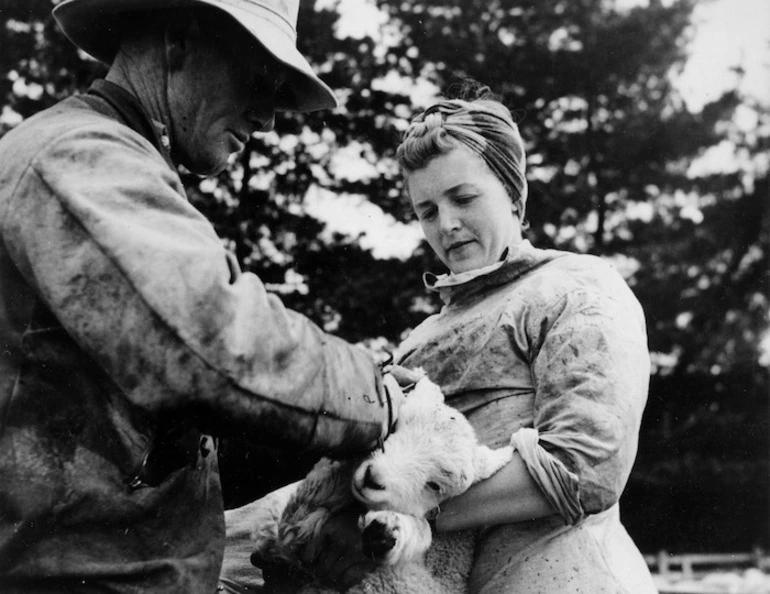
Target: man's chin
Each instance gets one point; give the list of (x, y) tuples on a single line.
[(209, 168)]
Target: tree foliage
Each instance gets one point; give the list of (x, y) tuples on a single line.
[(613, 156)]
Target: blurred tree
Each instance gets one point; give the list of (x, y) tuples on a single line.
[(614, 170), (38, 65)]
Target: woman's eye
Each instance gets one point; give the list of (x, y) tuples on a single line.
[(427, 215), (465, 199), (433, 485)]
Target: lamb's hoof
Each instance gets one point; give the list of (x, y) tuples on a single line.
[(378, 539)]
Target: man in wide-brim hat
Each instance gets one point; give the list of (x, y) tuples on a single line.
[(129, 334)]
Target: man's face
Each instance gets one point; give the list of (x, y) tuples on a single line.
[(221, 91)]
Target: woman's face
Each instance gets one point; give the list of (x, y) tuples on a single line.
[(465, 212)]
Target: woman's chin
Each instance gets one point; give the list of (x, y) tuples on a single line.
[(465, 265)]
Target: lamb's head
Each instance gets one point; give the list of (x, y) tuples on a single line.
[(432, 455)]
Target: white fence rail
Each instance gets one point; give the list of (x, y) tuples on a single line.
[(711, 573), (690, 565)]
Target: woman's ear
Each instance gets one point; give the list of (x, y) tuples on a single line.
[(518, 211)]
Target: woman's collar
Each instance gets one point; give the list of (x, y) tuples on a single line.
[(435, 282), (519, 260)]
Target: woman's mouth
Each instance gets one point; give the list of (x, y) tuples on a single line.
[(458, 245)]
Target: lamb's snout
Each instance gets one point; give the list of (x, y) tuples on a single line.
[(371, 479), (377, 540), (367, 482)]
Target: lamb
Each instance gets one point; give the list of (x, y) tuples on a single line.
[(432, 455)]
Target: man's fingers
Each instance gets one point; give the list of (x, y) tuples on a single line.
[(403, 375), (395, 399), (393, 387)]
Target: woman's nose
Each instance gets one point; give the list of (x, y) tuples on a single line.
[(448, 220)]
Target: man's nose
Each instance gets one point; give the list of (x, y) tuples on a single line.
[(266, 125), (261, 113), (261, 119)]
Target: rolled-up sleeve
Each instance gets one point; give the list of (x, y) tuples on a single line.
[(101, 228), (590, 370)]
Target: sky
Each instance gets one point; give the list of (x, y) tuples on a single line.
[(727, 34)]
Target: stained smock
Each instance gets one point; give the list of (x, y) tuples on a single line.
[(130, 343), (547, 350)]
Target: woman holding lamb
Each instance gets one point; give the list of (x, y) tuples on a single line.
[(542, 349)]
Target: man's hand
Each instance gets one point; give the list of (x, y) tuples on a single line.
[(396, 380), (404, 376), (335, 556)]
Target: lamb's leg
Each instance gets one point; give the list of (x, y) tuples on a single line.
[(391, 538)]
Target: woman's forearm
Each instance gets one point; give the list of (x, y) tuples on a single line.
[(510, 495)]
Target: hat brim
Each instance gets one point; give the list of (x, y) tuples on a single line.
[(95, 27)]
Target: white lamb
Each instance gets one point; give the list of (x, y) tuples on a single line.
[(433, 455)]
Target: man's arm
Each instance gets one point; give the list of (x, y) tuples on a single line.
[(100, 227)]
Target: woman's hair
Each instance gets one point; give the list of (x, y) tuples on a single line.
[(477, 120)]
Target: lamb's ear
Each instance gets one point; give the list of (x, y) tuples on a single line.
[(487, 461)]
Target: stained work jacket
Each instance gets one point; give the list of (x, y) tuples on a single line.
[(550, 348), (127, 334)]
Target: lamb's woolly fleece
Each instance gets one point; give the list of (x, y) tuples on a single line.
[(433, 455)]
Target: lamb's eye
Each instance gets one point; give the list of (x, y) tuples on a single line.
[(433, 485)]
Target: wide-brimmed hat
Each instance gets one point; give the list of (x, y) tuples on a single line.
[(94, 26)]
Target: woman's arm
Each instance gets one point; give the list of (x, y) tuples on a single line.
[(510, 495), (590, 369)]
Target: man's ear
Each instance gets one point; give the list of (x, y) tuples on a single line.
[(179, 38)]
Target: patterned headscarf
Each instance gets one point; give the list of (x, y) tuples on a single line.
[(484, 126)]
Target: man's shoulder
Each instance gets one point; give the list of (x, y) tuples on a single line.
[(70, 120)]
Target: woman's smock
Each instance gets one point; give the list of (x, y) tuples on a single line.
[(547, 350)]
